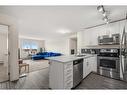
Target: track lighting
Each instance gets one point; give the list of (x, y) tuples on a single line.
[(104, 13)]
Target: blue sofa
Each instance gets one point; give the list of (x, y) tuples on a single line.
[(43, 55)]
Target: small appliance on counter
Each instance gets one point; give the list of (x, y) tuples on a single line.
[(114, 39)]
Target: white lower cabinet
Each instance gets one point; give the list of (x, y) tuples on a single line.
[(93, 61), (89, 65), (86, 67), (68, 75), (60, 75)]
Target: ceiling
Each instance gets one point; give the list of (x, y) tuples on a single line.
[(44, 21)]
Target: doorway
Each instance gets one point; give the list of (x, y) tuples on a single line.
[(4, 53)]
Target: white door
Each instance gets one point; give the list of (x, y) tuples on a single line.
[(3, 53)]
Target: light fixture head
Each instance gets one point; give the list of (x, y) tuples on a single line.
[(107, 22), (104, 13), (105, 19), (100, 8)]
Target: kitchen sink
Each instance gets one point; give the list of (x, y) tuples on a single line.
[(80, 55)]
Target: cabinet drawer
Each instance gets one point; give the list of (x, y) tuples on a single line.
[(68, 72), (68, 78), (68, 65), (68, 85)]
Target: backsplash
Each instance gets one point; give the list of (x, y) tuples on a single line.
[(89, 51)]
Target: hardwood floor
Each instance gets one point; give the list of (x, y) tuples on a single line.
[(95, 81), (40, 80), (34, 80)]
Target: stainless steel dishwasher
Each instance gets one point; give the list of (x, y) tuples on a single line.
[(77, 71)]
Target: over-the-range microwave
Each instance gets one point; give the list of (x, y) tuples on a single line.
[(114, 39)]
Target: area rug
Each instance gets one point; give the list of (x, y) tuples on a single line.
[(35, 65)]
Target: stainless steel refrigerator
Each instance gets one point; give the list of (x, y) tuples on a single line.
[(123, 54)]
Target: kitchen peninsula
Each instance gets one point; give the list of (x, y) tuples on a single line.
[(66, 72)]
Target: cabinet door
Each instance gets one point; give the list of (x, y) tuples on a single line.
[(93, 63), (89, 65), (86, 68), (80, 41)]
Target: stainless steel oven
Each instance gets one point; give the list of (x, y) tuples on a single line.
[(109, 64)]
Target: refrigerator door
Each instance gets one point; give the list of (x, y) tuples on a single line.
[(125, 58), (125, 68)]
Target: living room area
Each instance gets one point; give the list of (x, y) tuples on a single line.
[(32, 55)]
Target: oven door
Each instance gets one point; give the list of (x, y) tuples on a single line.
[(109, 64)]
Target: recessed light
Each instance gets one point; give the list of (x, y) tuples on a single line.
[(64, 31)]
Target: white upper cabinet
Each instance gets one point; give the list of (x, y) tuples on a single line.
[(80, 39), (89, 37)]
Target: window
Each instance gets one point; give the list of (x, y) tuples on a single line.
[(33, 45), (26, 44)]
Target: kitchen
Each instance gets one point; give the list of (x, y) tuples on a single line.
[(94, 51), (97, 64), (101, 50), (66, 72)]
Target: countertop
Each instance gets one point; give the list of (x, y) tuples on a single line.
[(102, 46), (65, 59)]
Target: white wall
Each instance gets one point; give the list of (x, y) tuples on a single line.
[(3, 41), (13, 45), (58, 45), (3, 53)]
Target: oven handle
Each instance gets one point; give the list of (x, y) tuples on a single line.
[(111, 58)]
